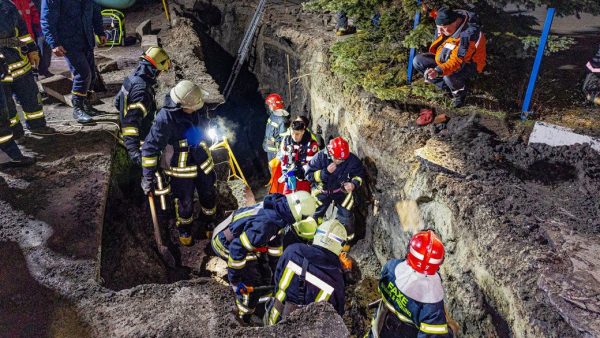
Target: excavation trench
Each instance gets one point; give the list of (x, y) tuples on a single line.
[(477, 183)]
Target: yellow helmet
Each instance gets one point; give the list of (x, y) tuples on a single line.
[(305, 228), (158, 57), (302, 204)]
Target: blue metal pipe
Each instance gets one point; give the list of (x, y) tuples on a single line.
[(412, 50), (537, 63)]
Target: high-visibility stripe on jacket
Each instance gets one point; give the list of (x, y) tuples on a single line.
[(323, 280), (466, 45)]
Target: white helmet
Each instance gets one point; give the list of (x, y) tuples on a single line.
[(331, 235), (188, 95), (302, 204)]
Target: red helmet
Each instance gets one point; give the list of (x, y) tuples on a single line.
[(425, 252), (274, 101), (338, 148)]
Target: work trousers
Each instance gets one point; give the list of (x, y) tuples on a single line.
[(344, 203), (183, 192), (26, 91), (82, 65), (45, 56), (256, 273), (7, 143), (452, 83)]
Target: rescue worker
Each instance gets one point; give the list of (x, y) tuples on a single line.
[(412, 295), (297, 149), (135, 101), (181, 125), (277, 124), (591, 85), (20, 53), (251, 239), (457, 54), (335, 173), (69, 29), (7, 142), (309, 273)]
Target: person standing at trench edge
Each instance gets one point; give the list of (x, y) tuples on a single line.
[(69, 27), (181, 125)]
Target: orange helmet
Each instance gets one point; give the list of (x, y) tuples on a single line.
[(338, 148), (274, 101), (425, 252)]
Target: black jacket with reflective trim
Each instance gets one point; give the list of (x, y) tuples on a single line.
[(137, 107), (323, 265), (172, 126), (351, 170), (276, 126)]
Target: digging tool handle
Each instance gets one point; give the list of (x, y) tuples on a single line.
[(155, 221)]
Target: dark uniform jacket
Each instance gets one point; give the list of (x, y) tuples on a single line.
[(15, 41), (274, 132), (186, 134), (306, 274), (351, 170), (137, 108), (71, 23), (255, 230), (413, 303)]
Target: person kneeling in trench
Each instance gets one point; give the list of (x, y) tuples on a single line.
[(309, 273), (456, 55), (181, 125), (251, 241)]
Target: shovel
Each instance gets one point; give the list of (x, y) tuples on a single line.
[(164, 251)]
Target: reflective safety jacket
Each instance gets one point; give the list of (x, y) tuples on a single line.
[(594, 64), (351, 170), (306, 274), (71, 23), (15, 41), (277, 125), (412, 304), (466, 45), (137, 107), (185, 134), (30, 14), (252, 231), (300, 153)]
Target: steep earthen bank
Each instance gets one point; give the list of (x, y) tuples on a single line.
[(520, 222)]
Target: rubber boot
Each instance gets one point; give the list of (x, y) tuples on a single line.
[(185, 236), (87, 105), (459, 98), (79, 113)]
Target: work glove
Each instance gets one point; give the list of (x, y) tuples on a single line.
[(34, 59), (240, 289), (148, 184)]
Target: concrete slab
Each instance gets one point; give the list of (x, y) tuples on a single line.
[(58, 87), (554, 135)]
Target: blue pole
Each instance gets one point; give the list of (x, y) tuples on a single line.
[(412, 50), (537, 63)]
